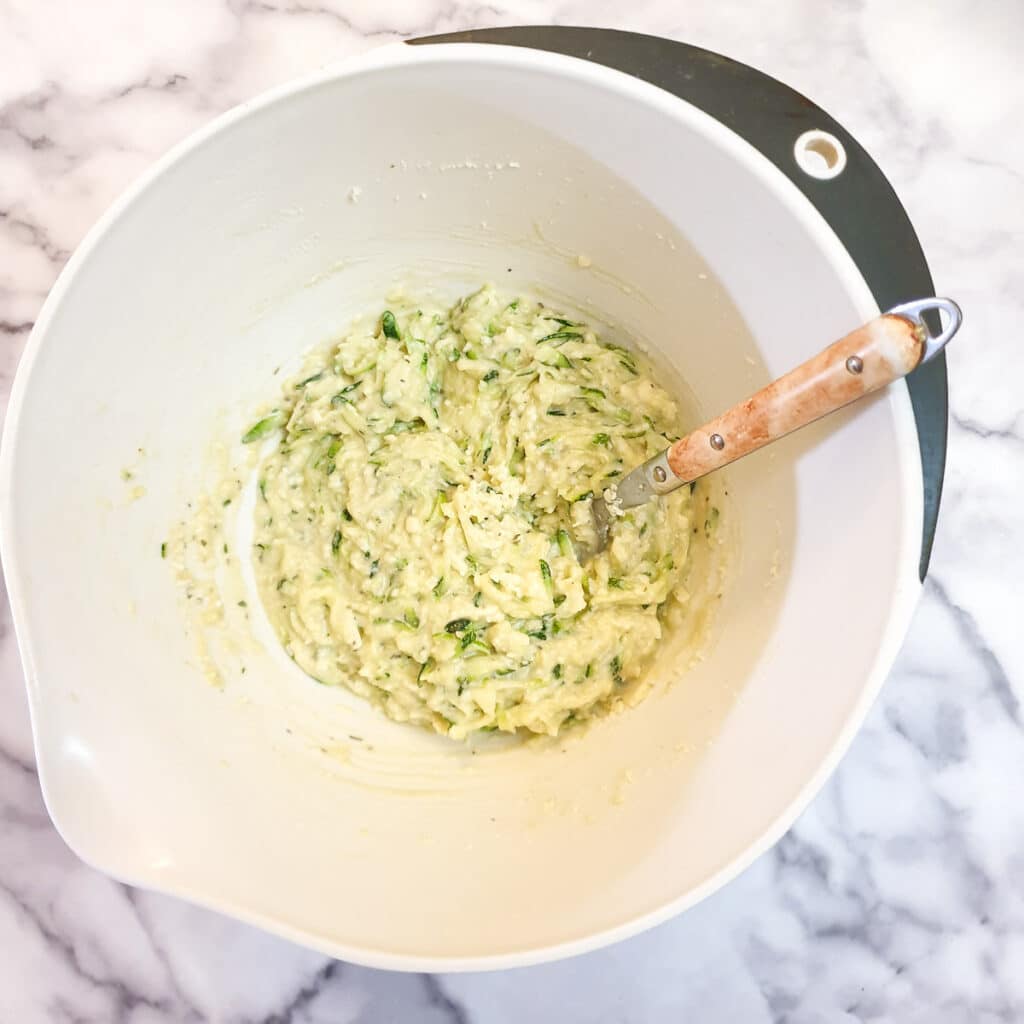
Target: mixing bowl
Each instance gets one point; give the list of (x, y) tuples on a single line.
[(731, 254)]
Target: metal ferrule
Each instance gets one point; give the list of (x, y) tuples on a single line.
[(654, 477)]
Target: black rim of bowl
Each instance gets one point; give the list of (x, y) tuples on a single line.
[(859, 205)]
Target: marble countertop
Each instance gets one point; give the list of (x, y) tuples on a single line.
[(899, 894)]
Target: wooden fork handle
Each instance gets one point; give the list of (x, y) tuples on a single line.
[(874, 355)]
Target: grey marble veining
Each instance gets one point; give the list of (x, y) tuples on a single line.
[(899, 894)]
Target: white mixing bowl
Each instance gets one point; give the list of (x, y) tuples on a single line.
[(259, 238)]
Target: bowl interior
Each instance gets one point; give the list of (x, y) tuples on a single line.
[(439, 168)]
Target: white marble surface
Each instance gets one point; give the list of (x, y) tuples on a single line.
[(899, 895)]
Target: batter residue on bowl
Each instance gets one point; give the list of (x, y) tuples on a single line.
[(420, 523)]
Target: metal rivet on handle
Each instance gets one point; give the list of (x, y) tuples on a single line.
[(717, 442), (660, 475), (855, 364)]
